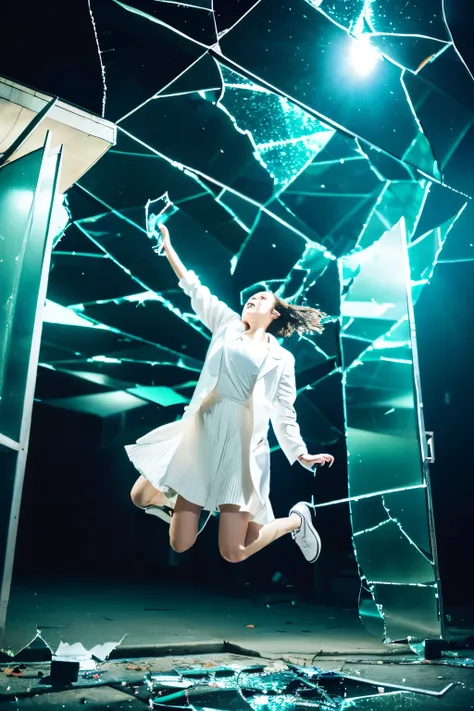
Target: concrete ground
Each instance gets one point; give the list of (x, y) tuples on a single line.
[(150, 614), (276, 629)]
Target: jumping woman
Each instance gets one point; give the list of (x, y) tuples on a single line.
[(216, 457)]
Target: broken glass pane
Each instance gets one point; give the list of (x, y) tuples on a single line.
[(406, 564), (383, 434), (15, 206), (286, 138), (27, 191), (367, 514), (409, 610), (324, 77), (408, 508)]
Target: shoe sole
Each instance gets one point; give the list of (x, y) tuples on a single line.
[(158, 512), (320, 545), (313, 530)]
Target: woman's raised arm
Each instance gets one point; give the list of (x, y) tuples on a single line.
[(211, 311), (171, 254)]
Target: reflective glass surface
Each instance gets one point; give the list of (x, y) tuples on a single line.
[(18, 182), (24, 248), (390, 523)]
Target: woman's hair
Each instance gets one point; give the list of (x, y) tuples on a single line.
[(295, 319)]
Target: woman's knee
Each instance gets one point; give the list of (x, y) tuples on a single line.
[(232, 554), (141, 493), (181, 544)]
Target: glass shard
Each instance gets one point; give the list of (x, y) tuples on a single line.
[(285, 137)]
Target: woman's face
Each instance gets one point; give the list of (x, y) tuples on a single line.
[(260, 307)]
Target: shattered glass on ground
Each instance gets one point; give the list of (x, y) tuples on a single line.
[(236, 683), (302, 149)]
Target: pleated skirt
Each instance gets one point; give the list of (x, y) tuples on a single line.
[(210, 464)]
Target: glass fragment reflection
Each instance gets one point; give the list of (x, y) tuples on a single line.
[(273, 688)]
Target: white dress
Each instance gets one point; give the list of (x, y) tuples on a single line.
[(211, 465)]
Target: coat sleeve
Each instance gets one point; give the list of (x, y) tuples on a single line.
[(283, 419), (212, 312)]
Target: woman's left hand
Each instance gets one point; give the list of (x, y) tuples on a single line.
[(310, 460)]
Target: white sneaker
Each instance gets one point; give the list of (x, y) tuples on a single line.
[(163, 512), (306, 536)]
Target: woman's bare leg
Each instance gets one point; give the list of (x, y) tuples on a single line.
[(239, 538), (144, 494), (184, 525), (253, 532)]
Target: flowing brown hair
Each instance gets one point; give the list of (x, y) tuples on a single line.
[(295, 319)]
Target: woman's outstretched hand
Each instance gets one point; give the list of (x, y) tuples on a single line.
[(309, 461)]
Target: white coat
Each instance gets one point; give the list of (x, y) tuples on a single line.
[(273, 396)]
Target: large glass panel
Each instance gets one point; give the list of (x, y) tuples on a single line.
[(18, 182), (384, 437), (30, 181), (380, 398), (21, 273)]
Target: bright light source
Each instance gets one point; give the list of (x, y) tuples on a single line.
[(363, 56)]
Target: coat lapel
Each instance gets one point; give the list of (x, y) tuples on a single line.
[(273, 357)]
